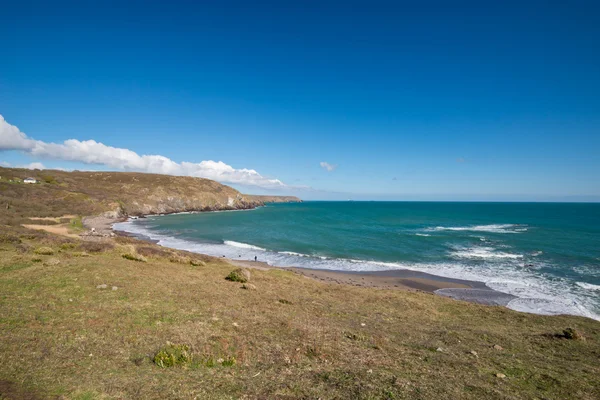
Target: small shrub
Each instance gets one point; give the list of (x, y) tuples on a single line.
[(36, 260), (45, 251), (228, 362), (284, 301), (173, 355), (52, 262), (241, 275), (197, 263), (153, 252), (49, 179), (358, 337), (134, 257), (96, 247), (176, 258), (571, 334), (67, 246), (8, 238)]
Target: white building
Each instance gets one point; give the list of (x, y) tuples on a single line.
[(29, 180)]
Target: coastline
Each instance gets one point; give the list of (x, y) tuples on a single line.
[(397, 279)]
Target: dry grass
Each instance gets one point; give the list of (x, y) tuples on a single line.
[(291, 338)]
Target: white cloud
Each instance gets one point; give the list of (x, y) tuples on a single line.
[(33, 165), (92, 152), (327, 166)]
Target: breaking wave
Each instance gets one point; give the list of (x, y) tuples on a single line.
[(493, 228)]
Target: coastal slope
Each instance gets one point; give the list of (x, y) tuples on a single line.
[(115, 194)]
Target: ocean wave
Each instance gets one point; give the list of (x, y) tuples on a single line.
[(485, 253), (588, 286), (422, 234), (493, 228), (293, 253), (242, 245), (536, 293)]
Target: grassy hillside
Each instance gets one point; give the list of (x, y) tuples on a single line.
[(88, 193), (66, 332)]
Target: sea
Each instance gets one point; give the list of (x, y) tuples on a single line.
[(546, 254)]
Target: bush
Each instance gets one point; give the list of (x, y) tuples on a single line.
[(7, 238), (571, 334), (45, 251), (96, 247), (241, 275), (134, 257), (68, 246), (153, 252), (173, 355)]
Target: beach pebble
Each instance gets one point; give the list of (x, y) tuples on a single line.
[(103, 286), (501, 376), (498, 347)]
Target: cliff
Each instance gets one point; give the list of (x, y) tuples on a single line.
[(59, 193), (275, 199)]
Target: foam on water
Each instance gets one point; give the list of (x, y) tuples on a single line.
[(492, 228), (588, 286), (536, 293), (243, 245), (483, 253)]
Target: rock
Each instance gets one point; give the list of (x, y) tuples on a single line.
[(473, 352), (498, 347), (52, 261), (439, 349), (248, 286), (363, 324), (114, 288), (103, 286), (369, 371), (501, 376)]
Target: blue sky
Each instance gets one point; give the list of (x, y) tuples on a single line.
[(435, 101)]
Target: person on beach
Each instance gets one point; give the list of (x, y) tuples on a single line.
[(255, 258)]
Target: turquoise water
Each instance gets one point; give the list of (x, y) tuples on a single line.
[(547, 254)]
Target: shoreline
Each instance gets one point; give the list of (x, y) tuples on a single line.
[(401, 279)]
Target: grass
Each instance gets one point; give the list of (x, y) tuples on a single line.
[(290, 338)]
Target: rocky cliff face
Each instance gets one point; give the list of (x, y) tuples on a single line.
[(274, 199)]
